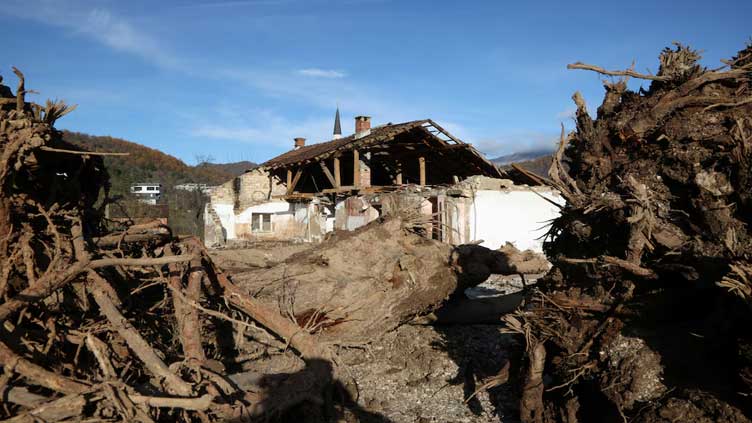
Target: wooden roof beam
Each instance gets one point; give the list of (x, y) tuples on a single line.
[(328, 174), (294, 182)]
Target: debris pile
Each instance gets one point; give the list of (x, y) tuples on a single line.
[(646, 313), (107, 321)]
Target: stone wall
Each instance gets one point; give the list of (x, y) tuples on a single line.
[(249, 189), (252, 188)]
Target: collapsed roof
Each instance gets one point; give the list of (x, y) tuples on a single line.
[(390, 150)]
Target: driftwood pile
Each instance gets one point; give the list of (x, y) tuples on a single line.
[(646, 314), (111, 325)]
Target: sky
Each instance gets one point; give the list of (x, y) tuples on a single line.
[(239, 79)]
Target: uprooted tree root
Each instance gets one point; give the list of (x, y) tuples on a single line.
[(116, 325), (645, 315)]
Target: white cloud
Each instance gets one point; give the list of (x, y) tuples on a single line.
[(312, 87), (98, 24), (321, 73), (263, 128), (119, 34), (517, 142), (323, 93)]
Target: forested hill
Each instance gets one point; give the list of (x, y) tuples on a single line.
[(538, 165), (146, 164)]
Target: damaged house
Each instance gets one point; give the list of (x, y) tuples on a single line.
[(350, 181)]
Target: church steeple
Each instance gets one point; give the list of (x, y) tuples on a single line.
[(337, 126)]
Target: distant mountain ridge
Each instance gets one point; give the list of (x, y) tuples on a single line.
[(235, 168), (144, 164), (521, 157)]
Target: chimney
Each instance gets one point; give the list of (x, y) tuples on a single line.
[(299, 142), (362, 123)]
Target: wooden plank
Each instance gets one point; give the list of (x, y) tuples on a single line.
[(81, 153), (328, 174), (422, 163), (345, 188), (337, 173), (356, 168), (289, 178), (376, 188), (291, 187), (450, 136)]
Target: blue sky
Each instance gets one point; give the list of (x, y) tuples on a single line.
[(240, 79)]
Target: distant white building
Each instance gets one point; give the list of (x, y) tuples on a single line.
[(147, 192), (194, 187)]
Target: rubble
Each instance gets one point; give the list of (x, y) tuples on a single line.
[(645, 315)]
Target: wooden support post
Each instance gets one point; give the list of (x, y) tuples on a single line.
[(337, 174), (356, 168), (422, 163), (328, 174), (289, 178), (291, 186), (398, 177)]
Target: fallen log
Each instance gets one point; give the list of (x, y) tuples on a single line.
[(345, 292)]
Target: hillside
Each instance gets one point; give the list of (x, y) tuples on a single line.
[(536, 161), (234, 169), (521, 157), (538, 165), (146, 164)]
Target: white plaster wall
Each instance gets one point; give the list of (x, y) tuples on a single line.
[(329, 225), (270, 207), (288, 219), (519, 217), (301, 212), (226, 213), (367, 214)]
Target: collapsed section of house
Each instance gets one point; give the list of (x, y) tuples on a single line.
[(348, 182)]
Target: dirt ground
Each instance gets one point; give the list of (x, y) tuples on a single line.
[(424, 373)]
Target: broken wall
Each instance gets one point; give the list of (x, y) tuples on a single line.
[(521, 217), (480, 208), (497, 211), (253, 188), (354, 212), (305, 221)]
